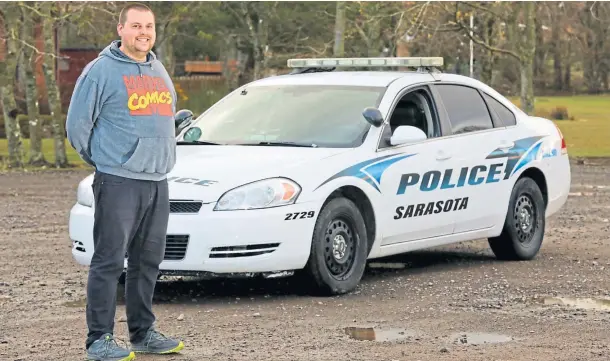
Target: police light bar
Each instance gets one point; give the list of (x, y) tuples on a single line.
[(365, 62)]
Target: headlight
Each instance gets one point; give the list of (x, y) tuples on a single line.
[(84, 194), (260, 194)]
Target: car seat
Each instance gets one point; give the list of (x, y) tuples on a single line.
[(408, 113)]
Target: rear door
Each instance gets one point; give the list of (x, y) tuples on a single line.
[(480, 148)]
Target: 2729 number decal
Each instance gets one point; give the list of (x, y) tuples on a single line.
[(299, 215)]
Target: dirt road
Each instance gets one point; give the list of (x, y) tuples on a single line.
[(434, 305)]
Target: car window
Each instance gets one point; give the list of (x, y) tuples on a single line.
[(507, 117), (466, 109), (327, 116)]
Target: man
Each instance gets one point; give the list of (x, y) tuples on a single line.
[(121, 121)]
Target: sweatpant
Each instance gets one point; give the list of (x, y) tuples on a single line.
[(130, 216)]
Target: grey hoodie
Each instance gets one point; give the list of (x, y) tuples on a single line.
[(121, 116)]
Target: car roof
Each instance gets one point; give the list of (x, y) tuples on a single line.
[(342, 78)]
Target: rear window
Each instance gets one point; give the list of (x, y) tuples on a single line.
[(467, 110), (505, 114)]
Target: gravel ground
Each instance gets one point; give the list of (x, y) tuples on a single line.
[(447, 303)]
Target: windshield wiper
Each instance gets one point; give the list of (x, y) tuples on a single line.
[(284, 144), (196, 142)]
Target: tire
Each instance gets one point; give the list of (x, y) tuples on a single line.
[(333, 273), (521, 239)]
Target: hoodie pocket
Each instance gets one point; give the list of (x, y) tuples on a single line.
[(152, 155)]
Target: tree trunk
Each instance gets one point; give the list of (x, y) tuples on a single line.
[(567, 80), (540, 74), (28, 77), (165, 51), (556, 48), (528, 51), (339, 46), (53, 94), (7, 96)]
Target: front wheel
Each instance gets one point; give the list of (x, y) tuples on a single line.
[(523, 231), (339, 248)]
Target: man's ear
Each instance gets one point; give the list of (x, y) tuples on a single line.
[(119, 28)]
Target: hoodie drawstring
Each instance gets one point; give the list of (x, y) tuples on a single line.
[(140, 69)]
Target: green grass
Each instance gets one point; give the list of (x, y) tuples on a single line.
[(48, 150), (586, 135)]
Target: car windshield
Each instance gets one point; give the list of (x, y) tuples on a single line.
[(303, 115)]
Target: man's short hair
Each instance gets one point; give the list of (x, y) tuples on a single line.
[(135, 6)]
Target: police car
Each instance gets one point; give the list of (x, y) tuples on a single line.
[(320, 170)]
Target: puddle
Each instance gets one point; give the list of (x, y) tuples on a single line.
[(479, 338), (599, 304), (380, 335)]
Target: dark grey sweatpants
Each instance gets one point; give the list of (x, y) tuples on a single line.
[(130, 216)]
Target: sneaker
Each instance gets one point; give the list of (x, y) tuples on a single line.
[(155, 342), (107, 349)]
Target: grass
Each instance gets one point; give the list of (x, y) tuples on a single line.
[(48, 151), (586, 135)]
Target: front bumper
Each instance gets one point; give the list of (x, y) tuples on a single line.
[(254, 241)]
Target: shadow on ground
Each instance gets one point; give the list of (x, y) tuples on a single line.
[(192, 289)]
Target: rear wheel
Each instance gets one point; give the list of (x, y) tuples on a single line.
[(523, 231), (339, 248)]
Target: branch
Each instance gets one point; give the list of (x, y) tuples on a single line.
[(38, 52), (479, 41), (43, 15), (482, 8)]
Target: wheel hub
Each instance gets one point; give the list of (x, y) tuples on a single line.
[(525, 216), (339, 250)]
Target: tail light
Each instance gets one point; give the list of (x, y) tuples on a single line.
[(564, 148)]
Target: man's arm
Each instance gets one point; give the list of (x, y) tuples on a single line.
[(83, 112)]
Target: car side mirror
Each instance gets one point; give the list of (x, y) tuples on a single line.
[(406, 134), (373, 116), (183, 119)]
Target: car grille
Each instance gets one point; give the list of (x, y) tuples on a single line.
[(175, 247), (184, 206), (243, 251)]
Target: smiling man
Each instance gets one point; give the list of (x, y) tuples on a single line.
[(121, 121)]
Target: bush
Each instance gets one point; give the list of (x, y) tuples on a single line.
[(560, 113)]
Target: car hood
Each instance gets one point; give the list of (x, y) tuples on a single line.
[(204, 172)]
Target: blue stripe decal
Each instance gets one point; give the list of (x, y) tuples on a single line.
[(529, 156), (514, 154), (370, 170)]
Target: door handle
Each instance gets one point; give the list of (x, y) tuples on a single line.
[(442, 155), (506, 145)]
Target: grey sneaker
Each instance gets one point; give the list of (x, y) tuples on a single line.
[(157, 343), (107, 349)]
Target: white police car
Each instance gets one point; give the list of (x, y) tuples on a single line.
[(319, 170)]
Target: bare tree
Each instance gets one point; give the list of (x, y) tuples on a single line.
[(53, 94), (520, 38), (11, 21)]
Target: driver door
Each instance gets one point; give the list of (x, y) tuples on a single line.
[(417, 204)]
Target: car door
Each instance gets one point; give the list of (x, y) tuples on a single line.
[(480, 149), (416, 203)]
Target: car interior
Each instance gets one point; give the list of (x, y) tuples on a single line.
[(413, 110)]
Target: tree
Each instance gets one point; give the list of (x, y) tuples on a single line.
[(520, 38), (53, 94), (10, 16)]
